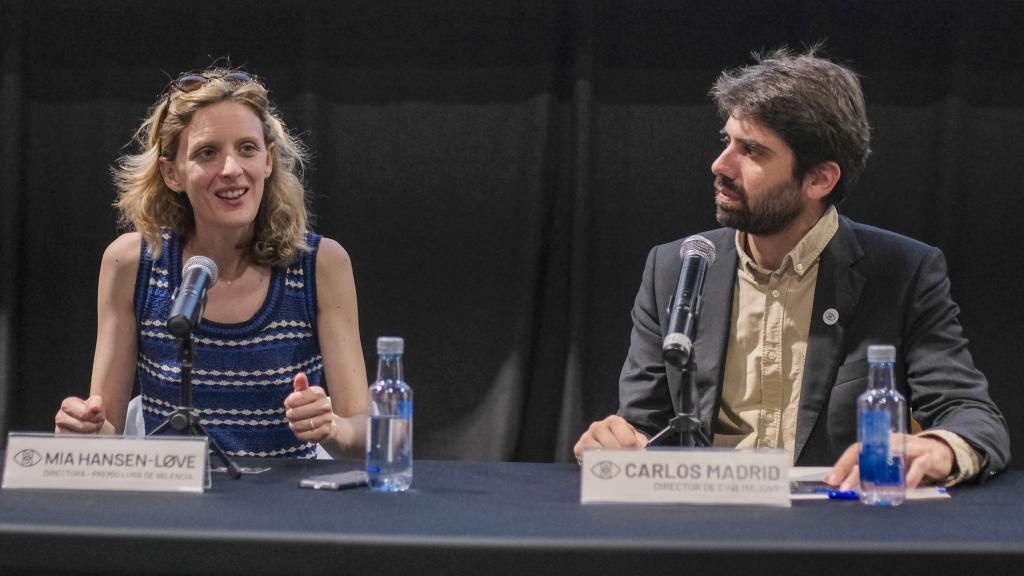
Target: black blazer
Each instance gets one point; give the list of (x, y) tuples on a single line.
[(886, 288)]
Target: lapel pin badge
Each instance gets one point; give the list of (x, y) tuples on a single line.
[(830, 317)]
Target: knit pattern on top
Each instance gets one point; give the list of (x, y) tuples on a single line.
[(241, 373)]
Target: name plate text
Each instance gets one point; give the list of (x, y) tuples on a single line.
[(74, 462), (687, 476)]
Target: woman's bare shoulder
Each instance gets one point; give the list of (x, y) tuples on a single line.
[(122, 255)]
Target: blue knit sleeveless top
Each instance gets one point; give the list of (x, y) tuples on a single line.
[(241, 373)]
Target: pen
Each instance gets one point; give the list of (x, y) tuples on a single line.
[(658, 436), (834, 494)]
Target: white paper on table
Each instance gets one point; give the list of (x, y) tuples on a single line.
[(818, 473)]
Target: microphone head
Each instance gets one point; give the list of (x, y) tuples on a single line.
[(698, 245), (206, 264)]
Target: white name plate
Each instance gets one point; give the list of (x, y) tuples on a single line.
[(79, 462), (685, 476)]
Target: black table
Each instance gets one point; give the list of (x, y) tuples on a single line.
[(495, 518)]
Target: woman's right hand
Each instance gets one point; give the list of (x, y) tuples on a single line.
[(77, 416)]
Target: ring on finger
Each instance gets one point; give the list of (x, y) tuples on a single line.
[(311, 425)]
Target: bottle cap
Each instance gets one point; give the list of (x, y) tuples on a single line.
[(882, 353), (390, 345)]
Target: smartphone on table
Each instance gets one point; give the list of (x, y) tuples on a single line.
[(336, 481)]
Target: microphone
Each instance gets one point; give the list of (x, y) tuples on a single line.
[(697, 253), (198, 275)]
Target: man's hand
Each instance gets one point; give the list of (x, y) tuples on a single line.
[(927, 457), (612, 432)]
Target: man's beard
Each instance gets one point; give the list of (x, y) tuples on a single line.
[(775, 210)]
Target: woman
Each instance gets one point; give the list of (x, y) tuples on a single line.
[(218, 176)]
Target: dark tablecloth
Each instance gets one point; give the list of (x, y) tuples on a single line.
[(494, 518)]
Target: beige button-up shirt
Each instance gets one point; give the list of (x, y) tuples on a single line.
[(764, 362)]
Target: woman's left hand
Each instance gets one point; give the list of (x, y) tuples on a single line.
[(309, 412)]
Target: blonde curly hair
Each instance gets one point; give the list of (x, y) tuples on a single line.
[(147, 205)]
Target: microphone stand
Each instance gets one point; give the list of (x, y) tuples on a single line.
[(677, 349), (184, 419), (687, 422)]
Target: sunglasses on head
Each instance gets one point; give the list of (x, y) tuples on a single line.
[(192, 81)]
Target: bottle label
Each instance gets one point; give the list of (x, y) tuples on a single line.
[(875, 427), (405, 409), (879, 462)]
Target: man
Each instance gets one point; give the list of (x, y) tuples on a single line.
[(797, 293)]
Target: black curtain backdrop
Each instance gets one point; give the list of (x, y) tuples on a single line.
[(498, 171)]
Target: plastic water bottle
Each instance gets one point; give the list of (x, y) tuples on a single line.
[(881, 430), (389, 429)]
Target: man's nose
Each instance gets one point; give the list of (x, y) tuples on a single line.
[(723, 165)]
